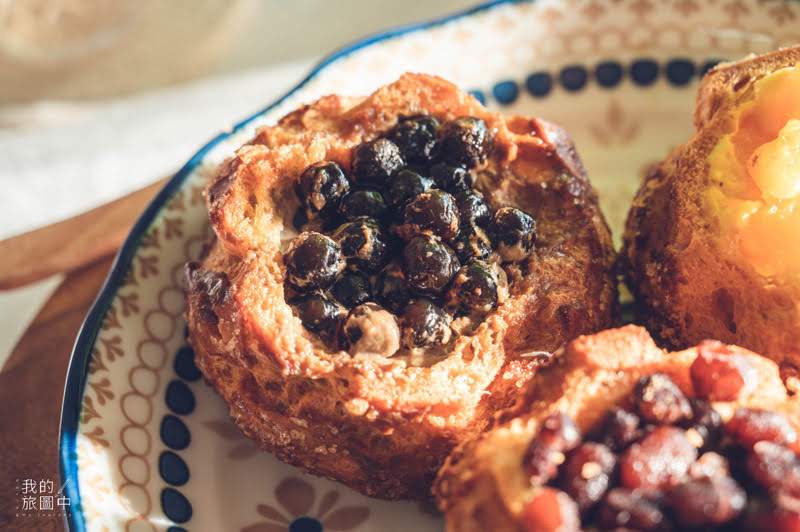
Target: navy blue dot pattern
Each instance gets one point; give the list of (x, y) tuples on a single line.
[(608, 74), (573, 78), (175, 505), (173, 469), (305, 524), (184, 365), (180, 398), (505, 92), (680, 72), (539, 84), (708, 65), (174, 433), (642, 72), (478, 95)]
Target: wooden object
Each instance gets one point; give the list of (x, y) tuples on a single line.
[(31, 389), (73, 243)]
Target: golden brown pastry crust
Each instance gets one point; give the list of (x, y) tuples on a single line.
[(691, 283), (483, 486), (379, 425)]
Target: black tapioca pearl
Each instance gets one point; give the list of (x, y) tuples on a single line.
[(322, 186), (364, 244), (431, 213), (405, 185), (319, 313), (428, 264), (512, 233), (452, 178), (313, 262), (464, 141), (416, 138), (375, 162), (424, 323), (473, 208), (474, 290), (359, 203), (352, 289), (471, 243), (391, 289)]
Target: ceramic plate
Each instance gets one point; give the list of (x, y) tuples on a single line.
[(145, 445)]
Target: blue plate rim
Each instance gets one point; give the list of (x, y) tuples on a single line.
[(78, 365)]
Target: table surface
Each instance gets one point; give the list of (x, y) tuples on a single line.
[(31, 389)]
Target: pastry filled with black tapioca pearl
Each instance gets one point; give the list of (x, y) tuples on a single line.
[(406, 245), (370, 370)]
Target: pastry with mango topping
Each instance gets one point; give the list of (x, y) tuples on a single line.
[(712, 241)]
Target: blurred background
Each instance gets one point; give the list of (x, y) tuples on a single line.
[(99, 98)]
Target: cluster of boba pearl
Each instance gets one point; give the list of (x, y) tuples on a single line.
[(668, 462), (403, 243)]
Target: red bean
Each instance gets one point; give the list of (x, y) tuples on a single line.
[(707, 501), (775, 467), (551, 510), (625, 508), (541, 462), (720, 374), (559, 432), (619, 429), (659, 400), (751, 425), (586, 473), (772, 520), (658, 462)]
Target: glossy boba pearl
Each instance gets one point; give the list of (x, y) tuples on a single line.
[(363, 203), (313, 262), (405, 185), (424, 323), (512, 233), (351, 290), (471, 243), (416, 138), (375, 162), (319, 313), (451, 178), (391, 289), (321, 186), (474, 290), (428, 264), (473, 208), (464, 142), (369, 329), (431, 213), (364, 244)]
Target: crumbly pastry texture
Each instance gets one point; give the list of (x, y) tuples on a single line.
[(689, 276), (483, 484), (383, 425)]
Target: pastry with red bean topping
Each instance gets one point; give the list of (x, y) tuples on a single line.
[(620, 435)]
